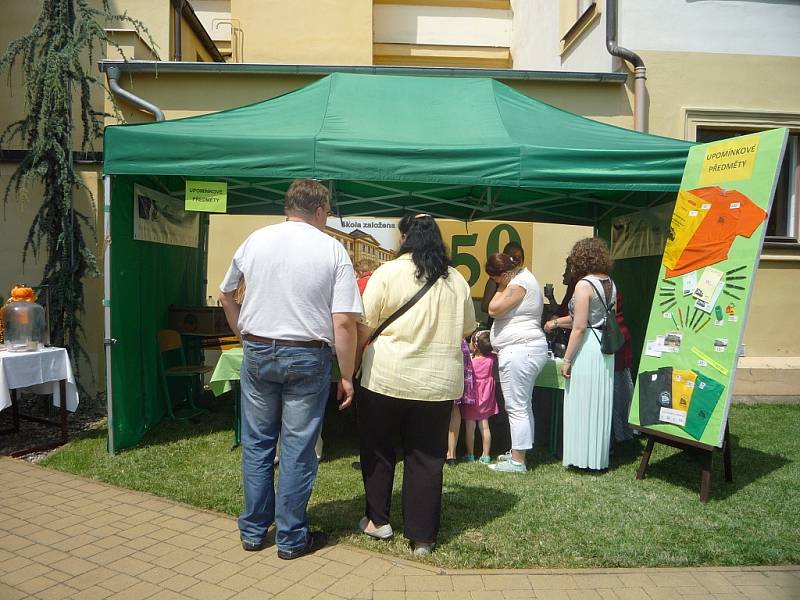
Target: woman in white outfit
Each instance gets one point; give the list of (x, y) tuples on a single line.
[(521, 346)]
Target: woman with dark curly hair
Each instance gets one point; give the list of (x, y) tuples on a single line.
[(411, 375), (589, 394)]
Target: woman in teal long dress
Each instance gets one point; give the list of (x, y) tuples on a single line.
[(589, 394)]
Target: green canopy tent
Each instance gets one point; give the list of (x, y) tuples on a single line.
[(463, 148)]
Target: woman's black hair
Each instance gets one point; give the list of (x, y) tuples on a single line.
[(512, 247), (423, 241)]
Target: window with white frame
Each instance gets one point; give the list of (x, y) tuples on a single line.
[(784, 220)]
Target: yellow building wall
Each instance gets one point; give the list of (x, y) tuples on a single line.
[(130, 46), (15, 226), (738, 84), (322, 32), (192, 50), (190, 94), (156, 16), (677, 81)]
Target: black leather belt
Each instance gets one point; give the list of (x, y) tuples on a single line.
[(292, 343)]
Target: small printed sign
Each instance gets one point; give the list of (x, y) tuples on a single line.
[(207, 196), (669, 415)]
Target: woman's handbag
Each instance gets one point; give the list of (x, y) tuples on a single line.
[(558, 340), (612, 339)]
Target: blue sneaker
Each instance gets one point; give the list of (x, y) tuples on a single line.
[(508, 466), (486, 460), (469, 458)]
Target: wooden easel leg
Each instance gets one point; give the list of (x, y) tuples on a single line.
[(705, 478), (726, 455), (646, 457)]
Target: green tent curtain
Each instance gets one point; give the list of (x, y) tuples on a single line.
[(146, 278), (464, 148)]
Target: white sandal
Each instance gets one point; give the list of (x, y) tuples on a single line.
[(384, 532)]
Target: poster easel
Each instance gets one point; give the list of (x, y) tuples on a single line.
[(684, 386), (704, 450)]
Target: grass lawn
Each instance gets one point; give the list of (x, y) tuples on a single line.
[(549, 517)]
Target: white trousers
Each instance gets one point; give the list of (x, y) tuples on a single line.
[(519, 365)]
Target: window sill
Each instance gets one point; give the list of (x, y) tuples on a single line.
[(779, 251), (782, 244)]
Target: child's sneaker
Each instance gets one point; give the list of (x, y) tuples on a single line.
[(508, 466), (487, 460), (469, 458)]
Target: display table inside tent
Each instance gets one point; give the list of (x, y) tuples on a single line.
[(226, 378)]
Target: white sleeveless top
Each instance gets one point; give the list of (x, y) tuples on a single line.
[(523, 323)]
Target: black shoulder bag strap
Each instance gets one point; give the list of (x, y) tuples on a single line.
[(602, 297), (401, 311)]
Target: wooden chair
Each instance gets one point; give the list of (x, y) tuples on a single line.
[(172, 361)]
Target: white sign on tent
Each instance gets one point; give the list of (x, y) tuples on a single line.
[(162, 219)]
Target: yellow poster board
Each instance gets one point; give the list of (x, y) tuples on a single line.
[(470, 244)]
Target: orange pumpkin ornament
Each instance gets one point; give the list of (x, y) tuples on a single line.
[(21, 293)]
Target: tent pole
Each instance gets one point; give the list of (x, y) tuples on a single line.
[(108, 341)]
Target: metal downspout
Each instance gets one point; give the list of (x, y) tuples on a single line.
[(639, 70), (113, 74), (177, 7), (108, 341)]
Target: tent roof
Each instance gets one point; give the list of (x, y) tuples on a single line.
[(468, 148)]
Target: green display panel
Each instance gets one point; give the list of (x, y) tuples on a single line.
[(697, 319)]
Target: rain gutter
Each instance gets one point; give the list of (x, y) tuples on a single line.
[(639, 70), (156, 67)]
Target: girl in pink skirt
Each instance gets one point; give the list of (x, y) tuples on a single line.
[(483, 362)]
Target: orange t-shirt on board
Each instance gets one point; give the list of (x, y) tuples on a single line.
[(730, 214)]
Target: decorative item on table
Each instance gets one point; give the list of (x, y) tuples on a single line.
[(23, 321), (557, 341)]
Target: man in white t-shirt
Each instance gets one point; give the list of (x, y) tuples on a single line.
[(301, 298)]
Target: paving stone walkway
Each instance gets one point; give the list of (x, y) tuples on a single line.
[(63, 536)]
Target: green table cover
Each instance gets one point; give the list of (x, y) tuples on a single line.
[(230, 361)]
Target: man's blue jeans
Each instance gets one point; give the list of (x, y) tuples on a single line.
[(284, 391)]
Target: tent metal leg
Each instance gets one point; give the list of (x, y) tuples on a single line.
[(108, 341)]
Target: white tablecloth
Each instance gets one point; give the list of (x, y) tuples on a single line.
[(39, 372)]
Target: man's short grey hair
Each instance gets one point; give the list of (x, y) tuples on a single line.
[(305, 196)]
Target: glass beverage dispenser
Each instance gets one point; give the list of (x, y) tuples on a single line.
[(23, 321)]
